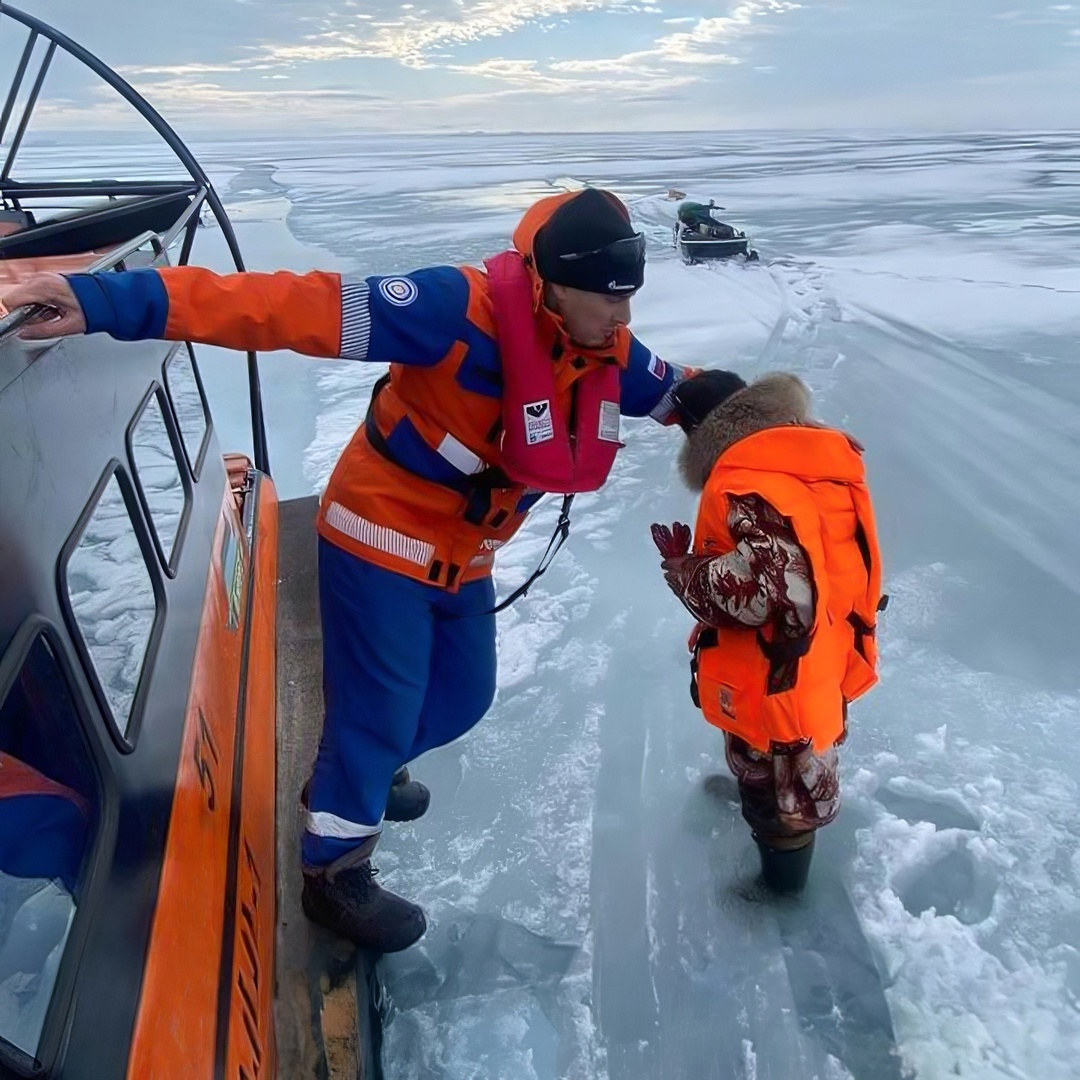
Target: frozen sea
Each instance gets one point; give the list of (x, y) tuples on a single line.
[(589, 883)]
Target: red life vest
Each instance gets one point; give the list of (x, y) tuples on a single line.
[(541, 446)]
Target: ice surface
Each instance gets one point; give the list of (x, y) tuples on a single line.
[(927, 289), (589, 882)]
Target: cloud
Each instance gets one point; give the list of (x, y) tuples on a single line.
[(697, 46), (210, 105), (431, 36), (1051, 15), (512, 63), (182, 70), (630, 64), (412, 38), (528, 74), (701, 45)]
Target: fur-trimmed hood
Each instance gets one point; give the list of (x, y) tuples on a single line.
[(774, 400)]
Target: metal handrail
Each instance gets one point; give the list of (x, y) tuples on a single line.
[(181, 223), (172, 140), (28, 111), (112, 260), (16, 83), (88, 188), (21, 315)]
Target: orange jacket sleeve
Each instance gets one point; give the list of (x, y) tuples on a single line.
[(263, 312)]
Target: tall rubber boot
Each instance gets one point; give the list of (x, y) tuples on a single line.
[(344, 898), (786, 870), (408, 799)]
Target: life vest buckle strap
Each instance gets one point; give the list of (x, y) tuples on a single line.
[(783, 656), (695, 693), (785, 649), (863, 629), (478, 505), (709, 638)]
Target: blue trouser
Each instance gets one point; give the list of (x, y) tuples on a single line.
[(401, 676)]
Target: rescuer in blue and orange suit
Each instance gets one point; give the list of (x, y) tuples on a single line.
[(504, 383)]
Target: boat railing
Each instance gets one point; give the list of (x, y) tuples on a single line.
[(199, 187)]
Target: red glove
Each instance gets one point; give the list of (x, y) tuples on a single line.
[(674, 542)]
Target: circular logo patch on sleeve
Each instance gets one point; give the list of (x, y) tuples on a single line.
[(399, 291)]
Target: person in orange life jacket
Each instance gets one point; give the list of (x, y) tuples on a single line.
[(504, 383), (783, 576)]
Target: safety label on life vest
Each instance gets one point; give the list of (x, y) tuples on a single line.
[(727, 701), (539, 427), (609, 421)]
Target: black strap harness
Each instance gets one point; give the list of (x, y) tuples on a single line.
[(477, 489)]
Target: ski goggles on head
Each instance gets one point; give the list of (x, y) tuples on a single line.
[(616, 269), (619, 254)]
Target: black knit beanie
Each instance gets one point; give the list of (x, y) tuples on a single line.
[(580, 246), (696, 397)]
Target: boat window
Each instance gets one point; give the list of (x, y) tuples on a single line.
[(157, 473), (112, 599), (185, 393), (49, 811)]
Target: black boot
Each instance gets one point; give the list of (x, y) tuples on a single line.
[(786, 870), (345, 899), (408, 799)]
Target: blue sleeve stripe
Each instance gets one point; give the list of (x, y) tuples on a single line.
[(132, 305)]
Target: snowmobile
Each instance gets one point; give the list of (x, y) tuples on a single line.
[(700, 236)]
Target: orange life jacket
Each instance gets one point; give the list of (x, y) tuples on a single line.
[(421, 488), (816, 479)]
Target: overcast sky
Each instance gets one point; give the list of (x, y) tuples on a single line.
[(581, 64)]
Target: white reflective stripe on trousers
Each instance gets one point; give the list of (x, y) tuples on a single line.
[(320, 823)]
